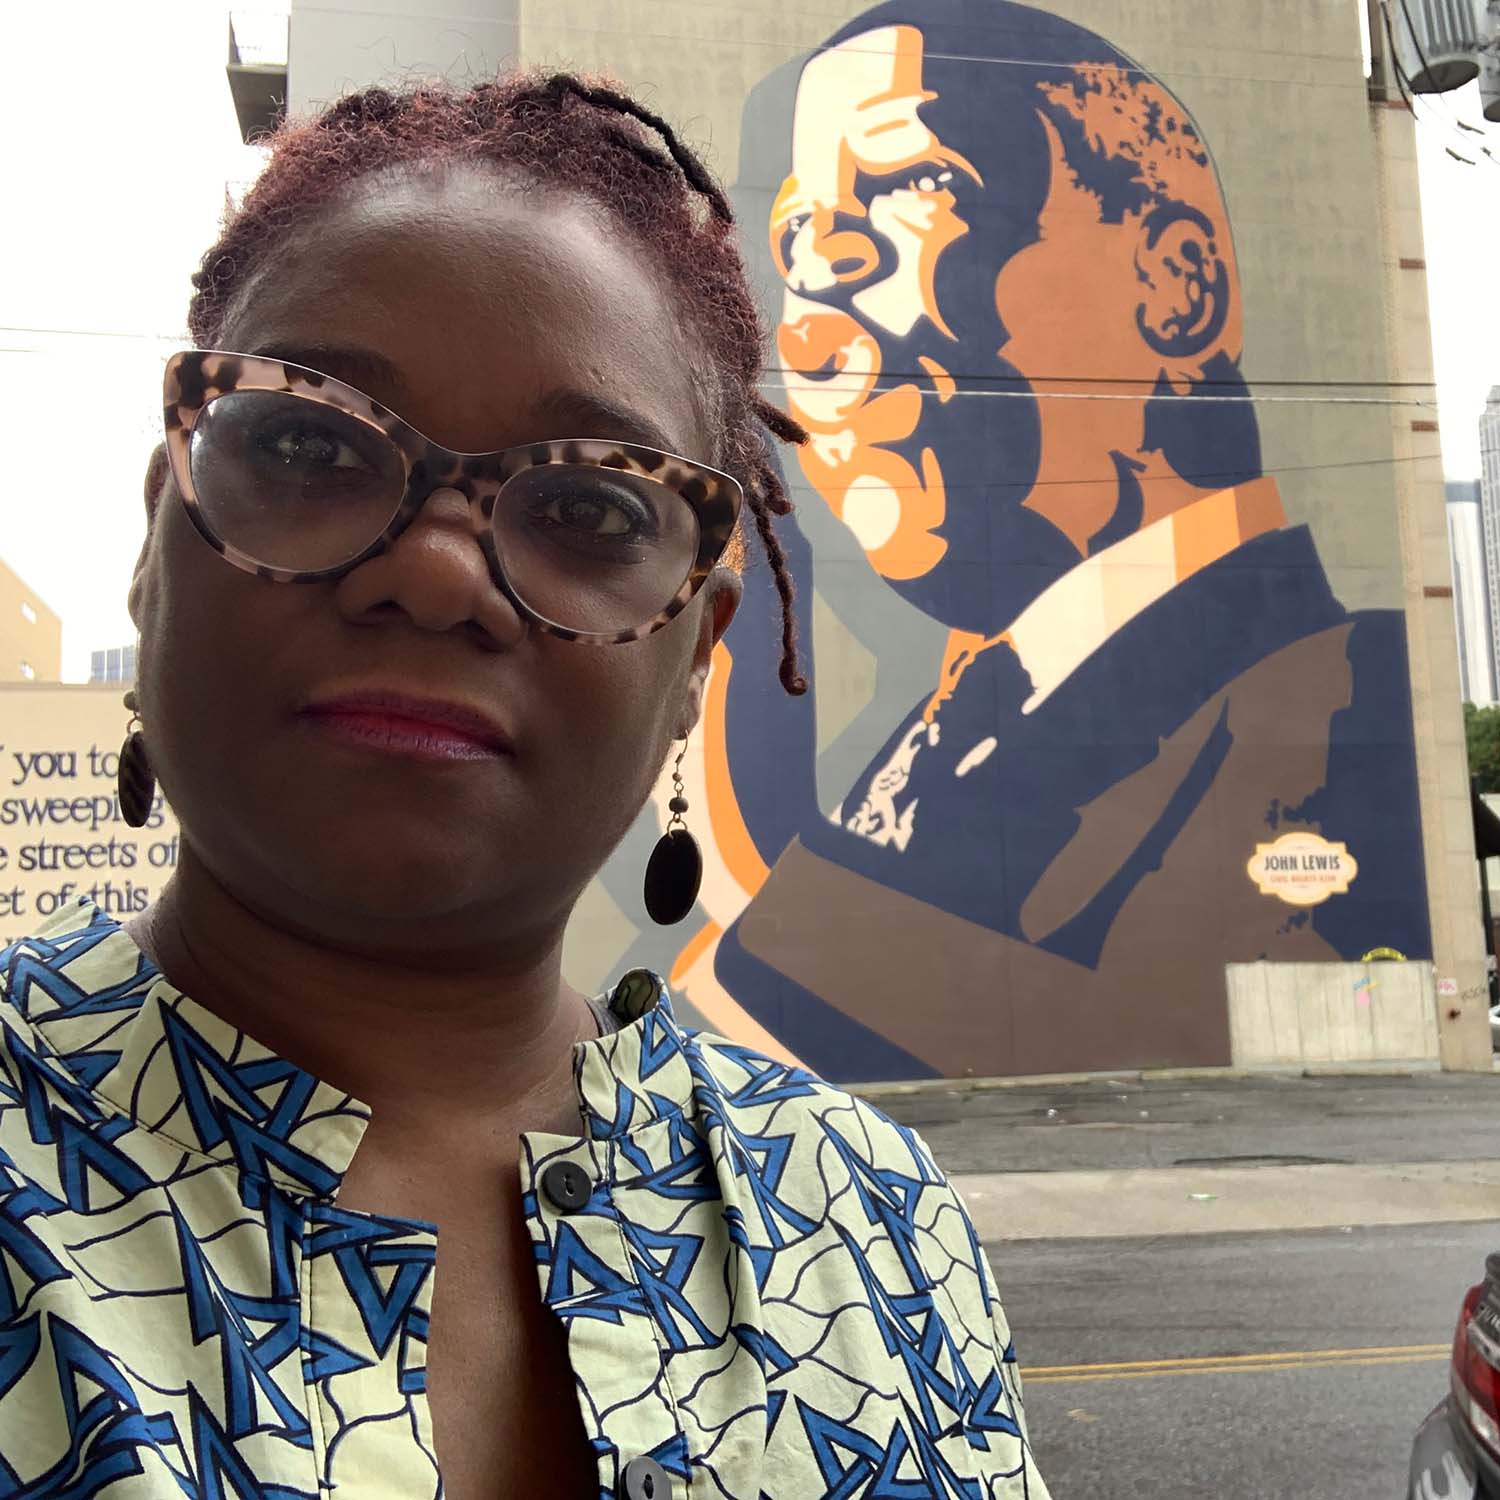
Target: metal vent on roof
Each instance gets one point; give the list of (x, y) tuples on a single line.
[(1437, 42), (258, 70), (1489, 63)]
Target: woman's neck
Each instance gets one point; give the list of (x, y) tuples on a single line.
[(426, 1046)]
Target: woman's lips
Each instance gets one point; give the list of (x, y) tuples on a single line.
[(423, 729)]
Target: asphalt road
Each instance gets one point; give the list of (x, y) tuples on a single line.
[(1104, 1124), (1245, 1423)]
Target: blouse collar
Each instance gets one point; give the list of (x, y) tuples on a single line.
[(89, 1015)]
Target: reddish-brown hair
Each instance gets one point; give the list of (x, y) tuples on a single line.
[(572, 133)]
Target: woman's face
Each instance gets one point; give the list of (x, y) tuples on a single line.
[(486, 316)]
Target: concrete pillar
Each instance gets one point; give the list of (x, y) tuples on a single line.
[(1460, 992)]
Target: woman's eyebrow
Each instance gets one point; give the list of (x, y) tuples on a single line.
[(585, 414), (574, 413), (348, 363)]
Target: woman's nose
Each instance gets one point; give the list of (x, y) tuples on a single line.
[(437, 575)]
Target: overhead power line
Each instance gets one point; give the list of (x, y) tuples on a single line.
[(976, 375), (1222, 476), (1248, 400)]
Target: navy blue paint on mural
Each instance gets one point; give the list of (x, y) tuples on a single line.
[(1371, 788)]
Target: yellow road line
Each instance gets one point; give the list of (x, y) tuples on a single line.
[(1231, 1364)]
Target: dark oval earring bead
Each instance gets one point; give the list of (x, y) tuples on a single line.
[(135, 783), (673, 875)]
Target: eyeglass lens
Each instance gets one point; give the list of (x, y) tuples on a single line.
[(297, 484)]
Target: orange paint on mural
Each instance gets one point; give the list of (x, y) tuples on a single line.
[(1203, 533), (697, 945), (1131, 117), (941, 379), (1100, 285), (959, 652), (1209, 530), (731, 838), (876, 492), (913, 548)]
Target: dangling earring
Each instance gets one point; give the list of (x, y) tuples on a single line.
[(675, 870), (135, 781)]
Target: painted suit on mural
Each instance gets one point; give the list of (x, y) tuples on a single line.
[(1012, 325)]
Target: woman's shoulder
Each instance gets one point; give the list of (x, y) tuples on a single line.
[(817, 1167), (69, 992), (757, 1083), (71, 966), (835, 1150)]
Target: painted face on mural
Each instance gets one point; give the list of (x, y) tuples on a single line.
[(955, 256)]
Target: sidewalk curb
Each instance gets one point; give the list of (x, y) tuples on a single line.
[(1148, 1203), (1409, 1068)]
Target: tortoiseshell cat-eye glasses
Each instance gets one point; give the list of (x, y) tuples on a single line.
[(297, 477)]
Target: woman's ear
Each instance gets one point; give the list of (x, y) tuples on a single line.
[(158, 478), (721, 598)]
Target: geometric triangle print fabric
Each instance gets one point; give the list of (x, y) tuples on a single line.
[(766, 1286)]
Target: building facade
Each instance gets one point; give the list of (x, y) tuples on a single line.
[(1471, 595), (1489, 499), (1135, 734), (114, 664), (30, 633)]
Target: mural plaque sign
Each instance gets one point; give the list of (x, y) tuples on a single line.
[(1302, 869)]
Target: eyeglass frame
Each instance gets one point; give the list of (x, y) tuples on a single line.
[(194, 378)]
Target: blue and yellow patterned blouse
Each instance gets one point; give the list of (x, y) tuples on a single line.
[(768, 1288)]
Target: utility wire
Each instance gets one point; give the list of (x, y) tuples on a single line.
[(975, 375), (1223, 476), (1030, 395), (92, 333), (905, 375)]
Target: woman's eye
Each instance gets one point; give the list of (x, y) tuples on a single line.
[(596, 515), (313, 447), (588, 513)]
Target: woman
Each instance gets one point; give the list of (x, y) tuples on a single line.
[(404, 704)]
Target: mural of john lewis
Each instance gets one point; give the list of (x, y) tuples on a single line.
[(1012, 324)]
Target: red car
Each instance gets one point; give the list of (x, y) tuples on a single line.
[(1456, 1454)]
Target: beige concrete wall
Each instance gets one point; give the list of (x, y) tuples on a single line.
[(337, 45), (62, 834), (1461, 1003), (30, 633), (1290, 1015)]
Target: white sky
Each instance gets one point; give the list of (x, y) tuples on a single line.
[(121, 137)]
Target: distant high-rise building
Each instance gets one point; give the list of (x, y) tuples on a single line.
[(1471, 597), (1489, 483), (117, 664), (30, 634)]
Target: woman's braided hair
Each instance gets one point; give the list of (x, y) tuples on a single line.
[(574, 133)]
